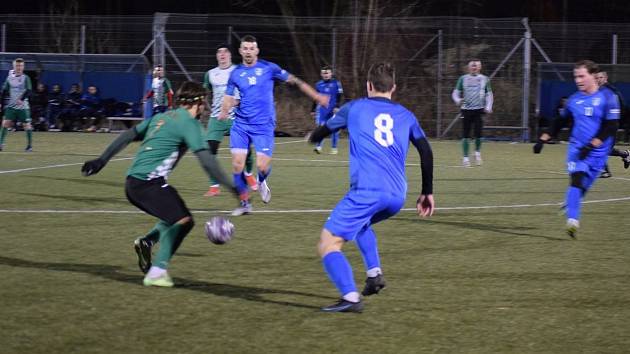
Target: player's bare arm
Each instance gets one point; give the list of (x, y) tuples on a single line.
[(309, 91), (228, 103)]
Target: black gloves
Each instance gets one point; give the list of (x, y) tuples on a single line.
[(92, 167)]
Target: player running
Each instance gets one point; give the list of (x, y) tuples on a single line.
[(331, 87), (165, 138), (380, 131), (255, 115), (595, 121)]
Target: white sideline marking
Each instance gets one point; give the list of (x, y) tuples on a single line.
[(299, 211), (119, 159)]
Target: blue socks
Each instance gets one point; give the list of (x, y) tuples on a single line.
[(239, 182), (340, 272), (369, 250), (262, 176), (334, 138), (573, 197)]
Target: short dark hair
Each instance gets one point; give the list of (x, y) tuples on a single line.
[(382, 76), (326, 67), (590, 66), (248, 38), (190, 92), (223, 45)]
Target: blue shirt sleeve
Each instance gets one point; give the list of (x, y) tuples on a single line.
[(613, 108), (416, 132), (340, 119), (279, 74), (231, 85)]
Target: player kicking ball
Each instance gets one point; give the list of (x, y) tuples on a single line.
[(165, 138), (380, 131)]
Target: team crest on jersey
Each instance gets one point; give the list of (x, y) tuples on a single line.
[(252, 80), (596, 101), (258, 71)]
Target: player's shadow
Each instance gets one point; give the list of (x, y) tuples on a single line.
[(115, 273), (501, 230), (77, 198)]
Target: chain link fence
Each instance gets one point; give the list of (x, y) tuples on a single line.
[(430, 53)]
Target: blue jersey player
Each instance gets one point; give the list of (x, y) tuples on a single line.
[(331, 87), (380, 131), (595, 121), (255, 115)]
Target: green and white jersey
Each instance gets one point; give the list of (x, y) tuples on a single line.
[(166, 137), (476, 91), (216, 80), (160, 86), (16, 85)]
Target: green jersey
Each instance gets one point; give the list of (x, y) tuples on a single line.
[(16, 86), (166, 137), (476, 91)]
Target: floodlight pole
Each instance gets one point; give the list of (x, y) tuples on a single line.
[(3, 40), (333, 60), (614, 49), (82, 45), (439, 85), (527, 71)]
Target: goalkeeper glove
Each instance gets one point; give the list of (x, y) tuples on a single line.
[(585, 150), (92, 167), (539, 146)]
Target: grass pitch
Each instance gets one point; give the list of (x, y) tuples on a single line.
[(491, 272)]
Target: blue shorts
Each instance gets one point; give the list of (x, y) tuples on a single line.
[(261, 136), (321, 119), (359, 209), (592, 166)]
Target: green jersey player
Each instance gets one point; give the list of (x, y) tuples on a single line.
[(165, 138), (216, 80), (18, 87)]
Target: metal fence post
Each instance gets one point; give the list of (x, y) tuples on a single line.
[(3, 40), (527, 53), (614, 49), (82, 44), (333, 61), (159, 26), (439, 86)]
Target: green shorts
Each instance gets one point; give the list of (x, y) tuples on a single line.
[(217, 129), (17, 115)]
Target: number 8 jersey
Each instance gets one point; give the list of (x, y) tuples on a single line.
[(380, 131)]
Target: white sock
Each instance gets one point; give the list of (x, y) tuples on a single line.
[(156, 272), (477, 154), (247, 173), (215, 185), (352, 297), (371, 273)]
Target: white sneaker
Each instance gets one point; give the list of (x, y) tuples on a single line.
[(466, 162), (244, 208), (334, 151), (572, 226), (265, 192), (318, 149), (478, 160)]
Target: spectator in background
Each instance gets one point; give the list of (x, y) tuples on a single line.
[(92, 108), (71, 107), (39, 102), (56, 99)]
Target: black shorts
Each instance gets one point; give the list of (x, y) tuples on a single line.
[(156, 197)]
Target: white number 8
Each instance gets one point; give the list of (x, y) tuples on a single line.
[(383, 132)]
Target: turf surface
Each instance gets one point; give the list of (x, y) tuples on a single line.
[(501, 277)]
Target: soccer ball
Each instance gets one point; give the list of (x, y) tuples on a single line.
[(219, 230)]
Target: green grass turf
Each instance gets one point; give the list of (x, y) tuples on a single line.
[(495, 280)]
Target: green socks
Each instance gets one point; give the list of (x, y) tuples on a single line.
[(478, 144), (154, 234), (171, 238), (29, 137), (465, 147), (3, 134)]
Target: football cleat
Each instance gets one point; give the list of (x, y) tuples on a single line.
[(28, 149), (605, 174), (143, 251), (318, 149), (213, 191), (334, 151), (465, 162), (244, 208), (373, 285), (163, 281), (572, 227), (265, 192), (626, 160), (344, 306), (251, 182)]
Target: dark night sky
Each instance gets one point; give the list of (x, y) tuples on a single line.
[(536, 10)]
